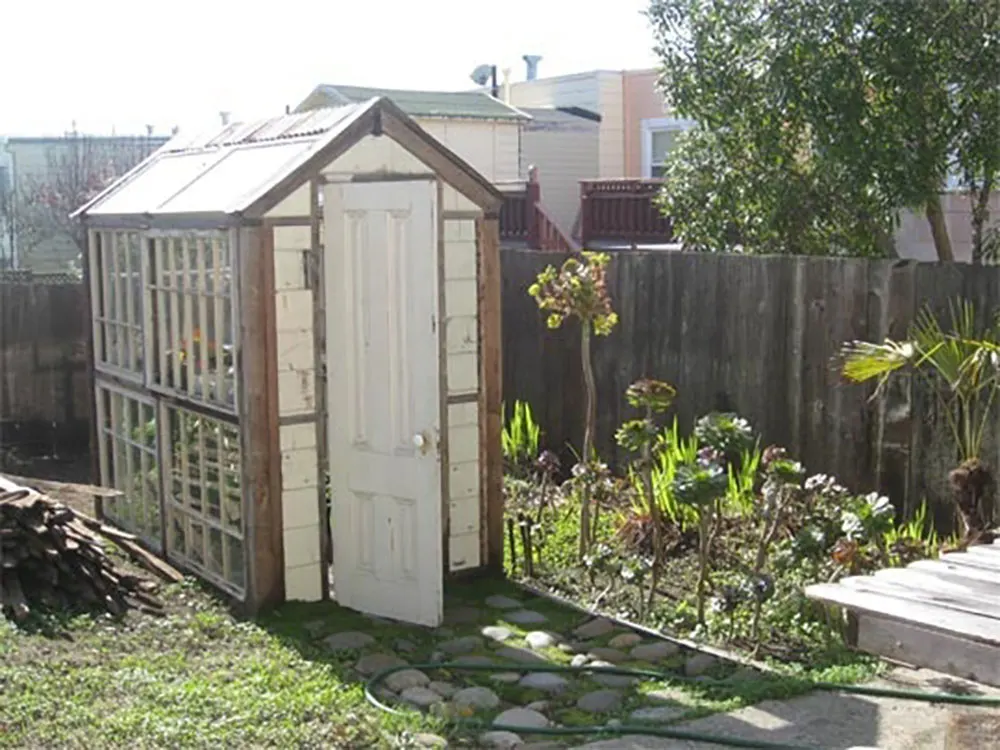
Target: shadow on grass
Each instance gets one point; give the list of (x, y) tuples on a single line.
[(477, 633)]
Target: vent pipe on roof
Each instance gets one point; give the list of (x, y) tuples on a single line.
[(224, 116), (532, 62), (506, 85)]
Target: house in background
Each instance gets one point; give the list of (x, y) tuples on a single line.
[(482, 130), (49, 178)]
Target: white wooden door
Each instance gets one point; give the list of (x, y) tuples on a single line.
[(384, 398)]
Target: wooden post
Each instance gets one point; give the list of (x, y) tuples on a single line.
[(586, 220), (490, 392), (532, 199), (260, 438)]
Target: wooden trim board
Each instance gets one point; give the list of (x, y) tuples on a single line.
[(259, 427), (490, 393)]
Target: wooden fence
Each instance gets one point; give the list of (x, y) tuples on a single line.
[(757, 336), (44, 396)]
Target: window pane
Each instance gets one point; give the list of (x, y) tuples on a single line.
[(663, 143), (658, 171)]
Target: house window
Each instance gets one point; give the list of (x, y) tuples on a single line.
[(116, 290), (191, 297), (130, 462), (205, 513), (659, 137)]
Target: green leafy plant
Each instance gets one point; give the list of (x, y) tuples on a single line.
[(652, 397), (579, 290), (520, 438), (962, 368)]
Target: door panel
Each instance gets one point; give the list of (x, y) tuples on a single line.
[(384, 398)]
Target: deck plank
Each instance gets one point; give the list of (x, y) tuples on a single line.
[(927, 616), (943, 580), (965, 573), (983, 562), (946, 596)]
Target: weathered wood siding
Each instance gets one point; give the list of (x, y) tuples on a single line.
[(757, 336), (43, 367)]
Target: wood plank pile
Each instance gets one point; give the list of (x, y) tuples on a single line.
[(54, 556), (941, 614)]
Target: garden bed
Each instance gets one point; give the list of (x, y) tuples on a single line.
[(742, 530)]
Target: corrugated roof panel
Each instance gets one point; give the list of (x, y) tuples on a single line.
[(155, 184), (469, 104), (240, 173)]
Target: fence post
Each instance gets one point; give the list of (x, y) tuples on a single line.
[(586, 219), (534, 196)]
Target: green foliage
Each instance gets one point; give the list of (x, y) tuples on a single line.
[(729, 434), (520, 437), (577, 290), (819, 122), (962, 367)]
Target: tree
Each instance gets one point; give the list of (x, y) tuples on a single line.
[(77, 168), (820, 122), (579, 290)]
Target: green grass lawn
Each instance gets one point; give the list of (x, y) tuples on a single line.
[(197, 678), (203, 678)]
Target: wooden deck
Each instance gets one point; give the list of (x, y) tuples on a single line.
[(941, 614)]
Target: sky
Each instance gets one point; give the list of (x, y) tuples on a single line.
[(116, 66)]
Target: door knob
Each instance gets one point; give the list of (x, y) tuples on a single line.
[(419, 441)]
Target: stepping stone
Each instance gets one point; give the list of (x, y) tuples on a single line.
[(406, 678), (472, 660), (579, 660), (666, 695), (501, 740), (372, 663), (595, 628), (464, 645), (539, 639), (525, 617), (404, 646), (348, 641), (523, 655), (547, 682), (658, 713), (610, 680), (568, 648), (315, 628), (540, 706), (613, 723), (521, 717), (479, 698), (462, 616), (506, 678), (426, 740), (625, 640), (444, 689), (497, 633), (612, 655), (698, 664), (499, 601), (420, 697), (600, 701), (656, 651)]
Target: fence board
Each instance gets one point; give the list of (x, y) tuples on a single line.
[(43, 367), (759, 336)]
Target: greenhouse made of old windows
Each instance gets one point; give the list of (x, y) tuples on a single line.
[(294, 309)]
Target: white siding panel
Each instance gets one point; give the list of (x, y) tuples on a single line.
[(463, 552), (461, 297), (296, 350), (298, 469), (463, 373), (464, 518), (461, 335), (612, 130), (297, 437), (292, 238), (304, 584), (300, 508), (464, 479), (294, 309), (564, 155), (296, 392)]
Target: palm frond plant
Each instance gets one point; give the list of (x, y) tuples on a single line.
[(961, 366)]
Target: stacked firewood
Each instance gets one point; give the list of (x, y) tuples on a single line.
[(54, 556)]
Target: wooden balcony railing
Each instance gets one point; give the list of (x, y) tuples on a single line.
[(524, 219), (622, 211)]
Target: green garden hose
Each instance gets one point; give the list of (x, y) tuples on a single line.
[(652, 730)]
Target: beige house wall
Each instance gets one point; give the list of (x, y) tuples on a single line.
[(643, 101)]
